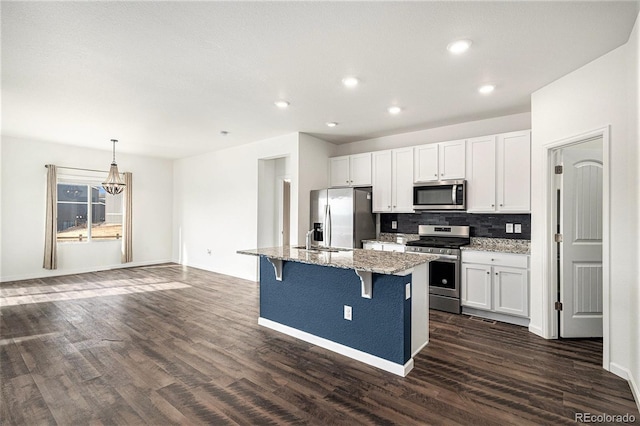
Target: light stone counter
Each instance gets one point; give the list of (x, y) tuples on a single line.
[(501, 245), (379, 262)]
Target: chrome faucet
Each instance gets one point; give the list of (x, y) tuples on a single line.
[(308, 241)]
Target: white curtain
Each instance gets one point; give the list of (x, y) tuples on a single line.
[(127, 225), (50, 233)]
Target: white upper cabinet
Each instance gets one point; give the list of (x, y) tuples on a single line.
[(393, 181), (514, 172), (499, 173), (481, 174), (452, 160), (425, 168), (381, 202), (439, 161), (402, 180), (350, 170)]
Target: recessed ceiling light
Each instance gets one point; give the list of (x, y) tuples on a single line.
[(394, 110), (486, 89), (282, 104), (350, 81), (459, 46), (332, 123)]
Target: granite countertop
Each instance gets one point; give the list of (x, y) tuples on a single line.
[(393, 238), (379, 262), (502, 245)]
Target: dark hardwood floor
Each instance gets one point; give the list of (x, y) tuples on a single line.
[(172, 345)]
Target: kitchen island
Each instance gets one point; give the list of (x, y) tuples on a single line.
[(368, 305)]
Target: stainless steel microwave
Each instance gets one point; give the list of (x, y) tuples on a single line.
[(441, 195)]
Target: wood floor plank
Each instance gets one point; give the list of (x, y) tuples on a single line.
[(196, 355)]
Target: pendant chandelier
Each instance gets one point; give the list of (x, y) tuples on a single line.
[(114, 183)]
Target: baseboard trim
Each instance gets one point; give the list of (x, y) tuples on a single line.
[(417, 351), (537, 331), (625, 373), (383, 364), (61, 272)]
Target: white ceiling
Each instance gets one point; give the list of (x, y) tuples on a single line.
[(166, 78)]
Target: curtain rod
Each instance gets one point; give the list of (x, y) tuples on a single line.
[(76, 168)]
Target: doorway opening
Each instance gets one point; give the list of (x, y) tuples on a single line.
[(577, 240), (274, 202)]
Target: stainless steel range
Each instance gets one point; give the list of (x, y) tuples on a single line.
[(444, 273)]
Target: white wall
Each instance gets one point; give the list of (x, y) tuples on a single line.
[(23, 209), (471, 129), (216, 205), (602, 93), (314, 174)]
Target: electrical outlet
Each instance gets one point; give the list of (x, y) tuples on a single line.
[(509, 229), (347, 312), (407, 291), (394, 224), (209, 252), (517, 228)]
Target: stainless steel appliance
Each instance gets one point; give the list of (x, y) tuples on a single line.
[(441, 195), (342, 217), (444, 273)]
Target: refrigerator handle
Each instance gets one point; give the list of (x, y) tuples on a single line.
[(327, 228)]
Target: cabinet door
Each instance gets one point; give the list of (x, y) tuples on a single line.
[(360, 169), (514, 172), (425, 168), (381, 202), (339, 171), (475, 286), (481, 174), (452, 160), (511, 291), (402, 180)]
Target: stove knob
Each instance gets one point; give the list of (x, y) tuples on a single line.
[(430, 250), (448, 251), (441, 250)]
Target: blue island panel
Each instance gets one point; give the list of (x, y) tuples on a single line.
[(311, 298)]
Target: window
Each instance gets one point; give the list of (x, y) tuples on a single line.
[(87, 213)]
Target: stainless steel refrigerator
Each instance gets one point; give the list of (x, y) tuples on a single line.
[(342, 217)]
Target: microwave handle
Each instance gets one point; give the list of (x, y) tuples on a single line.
[(453, 194)]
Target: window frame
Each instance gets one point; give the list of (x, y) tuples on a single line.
[(89, 181)]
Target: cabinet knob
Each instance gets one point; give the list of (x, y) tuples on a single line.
[(493, 205), (488, 273), (436, 175), (347, 181), (441, 174), (389, 207), (496, 273), (394, 207), (500, 205)]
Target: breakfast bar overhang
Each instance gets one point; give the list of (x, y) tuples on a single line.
[(309, 294)]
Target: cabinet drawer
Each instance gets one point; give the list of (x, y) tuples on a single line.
[(496, 258)]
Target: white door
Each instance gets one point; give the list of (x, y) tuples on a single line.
[(581, 246)]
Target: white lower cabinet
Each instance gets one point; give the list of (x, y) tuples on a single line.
[(495, 282)]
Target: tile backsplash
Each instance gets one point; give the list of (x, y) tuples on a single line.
[(482, 225)]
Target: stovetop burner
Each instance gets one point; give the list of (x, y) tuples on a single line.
[(454, 243)]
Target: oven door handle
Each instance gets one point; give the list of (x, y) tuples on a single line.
[(452, 258), (453, 194)]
